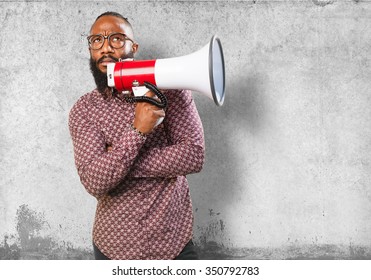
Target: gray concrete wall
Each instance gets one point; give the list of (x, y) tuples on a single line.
[(287, 172)]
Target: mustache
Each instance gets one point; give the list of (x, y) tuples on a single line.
[(105, 57)]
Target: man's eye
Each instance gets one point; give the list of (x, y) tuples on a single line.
[(116, 39), (97, 40)]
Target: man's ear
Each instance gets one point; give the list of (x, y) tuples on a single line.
[(135, 48)]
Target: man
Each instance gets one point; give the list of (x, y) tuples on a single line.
[(135, 169)]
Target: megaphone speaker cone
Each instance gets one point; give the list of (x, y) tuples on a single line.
[(216, 70)]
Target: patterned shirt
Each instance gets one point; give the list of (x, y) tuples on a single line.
[(144, 208)]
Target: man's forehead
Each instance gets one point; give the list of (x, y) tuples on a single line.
[(108, 24)]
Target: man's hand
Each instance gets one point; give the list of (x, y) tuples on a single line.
[(146, 115)]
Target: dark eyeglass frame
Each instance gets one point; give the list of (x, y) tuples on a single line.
[(108, 37)]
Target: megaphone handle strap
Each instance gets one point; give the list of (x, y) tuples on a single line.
[(163, 100)]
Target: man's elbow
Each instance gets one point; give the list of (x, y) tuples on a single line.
[(95, 186), (93, 189), (199, 159)]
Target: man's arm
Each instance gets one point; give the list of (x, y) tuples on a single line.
[(186, 152), (100, 171)]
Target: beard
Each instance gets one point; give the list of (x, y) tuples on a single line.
[(100, 77)]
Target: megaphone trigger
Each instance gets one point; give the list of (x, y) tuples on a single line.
[(139, 95)]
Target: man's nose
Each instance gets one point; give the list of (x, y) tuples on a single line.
[(106, 48)]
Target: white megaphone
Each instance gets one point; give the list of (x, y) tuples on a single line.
[(201, 71)]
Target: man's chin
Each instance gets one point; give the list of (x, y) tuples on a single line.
[(102, 68)]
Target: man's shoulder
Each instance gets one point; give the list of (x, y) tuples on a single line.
[(178, 94), (179, 97), (88, 97), (84, 103), (86, 100)]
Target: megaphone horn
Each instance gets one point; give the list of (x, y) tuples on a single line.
[(201, 71)]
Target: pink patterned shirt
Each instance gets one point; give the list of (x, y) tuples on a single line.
[(144, 208)]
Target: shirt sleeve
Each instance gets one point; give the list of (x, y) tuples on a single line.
[(100, 171), (186, 152)]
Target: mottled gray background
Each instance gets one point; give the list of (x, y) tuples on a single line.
[(287, 173)]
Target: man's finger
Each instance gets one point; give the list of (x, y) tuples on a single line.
[(160, 113), (150, 94)]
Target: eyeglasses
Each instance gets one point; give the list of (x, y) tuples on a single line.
[(115, 40)]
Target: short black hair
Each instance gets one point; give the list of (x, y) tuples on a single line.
[(114, 14)]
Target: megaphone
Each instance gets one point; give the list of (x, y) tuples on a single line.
[(201, 71)]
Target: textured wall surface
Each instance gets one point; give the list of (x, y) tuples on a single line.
[(288, 167)]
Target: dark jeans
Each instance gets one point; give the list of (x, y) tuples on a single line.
[(188, 253)]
